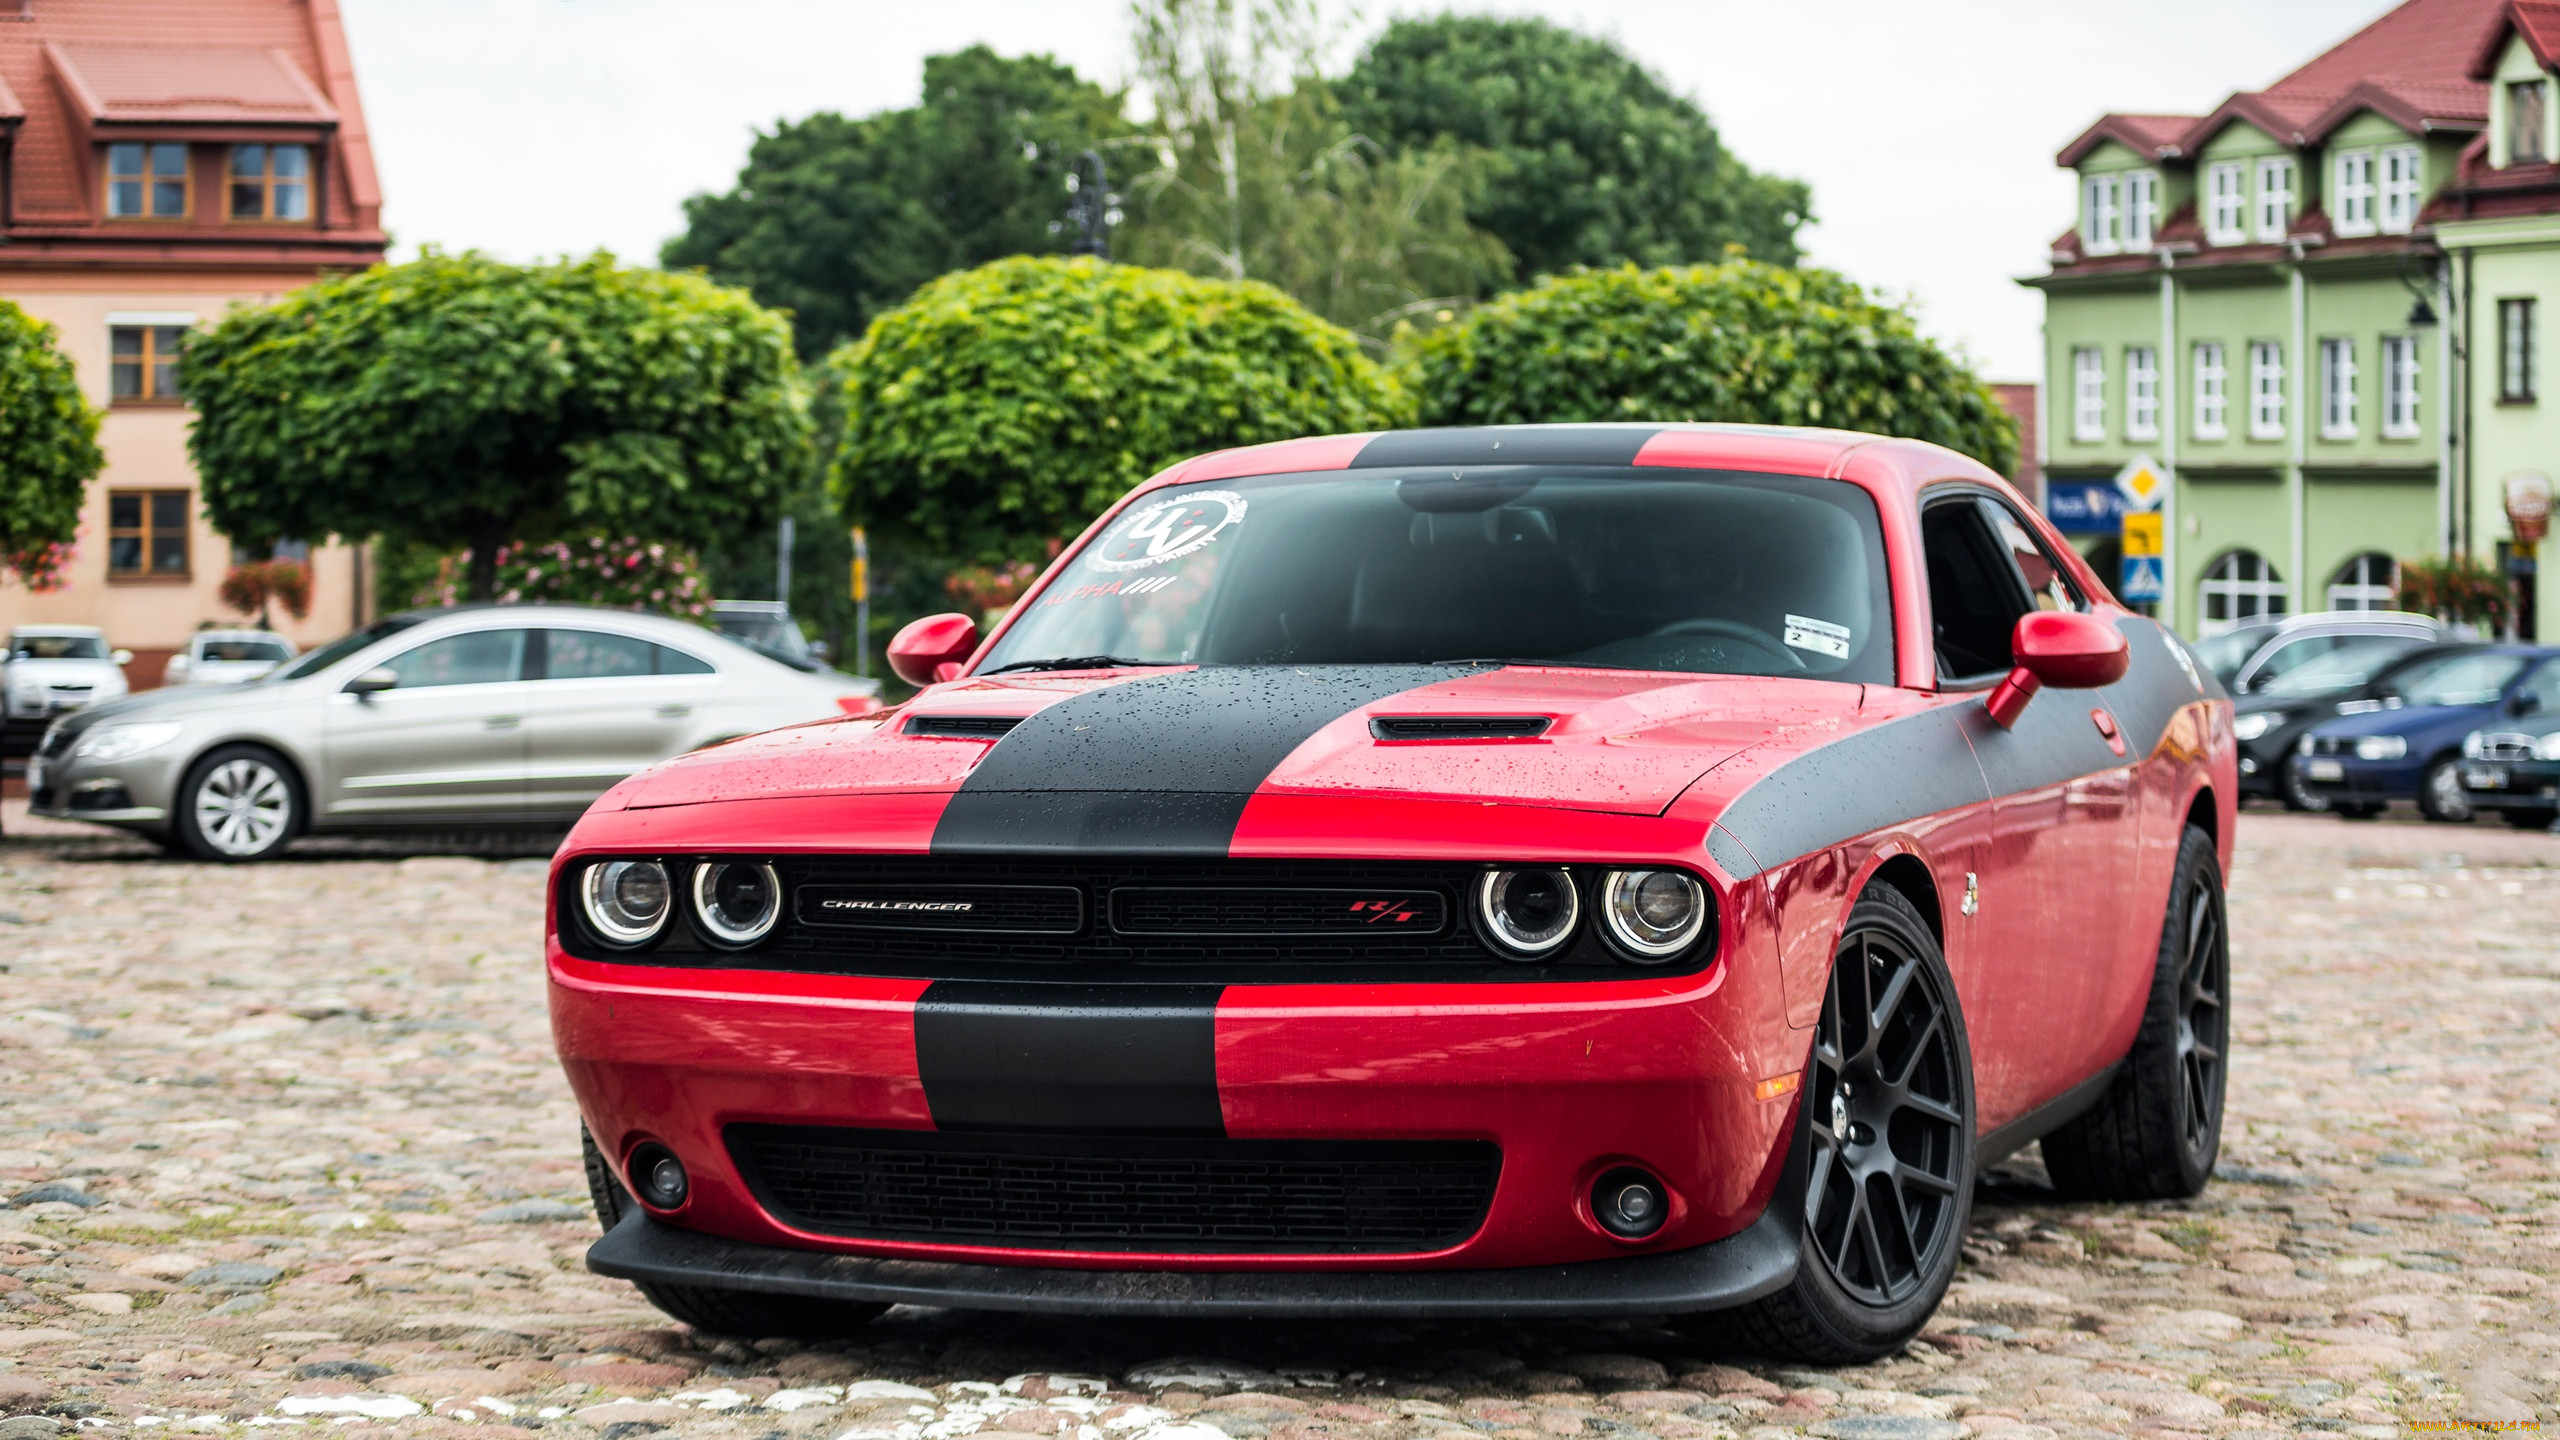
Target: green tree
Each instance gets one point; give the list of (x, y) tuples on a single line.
[(1006, 405), (837, 220), (456, 401), (1603, 162), (1741, 341), (1261, 177), (48, 449)]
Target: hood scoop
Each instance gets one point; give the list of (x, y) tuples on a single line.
[(961, 727), (1459, 727)]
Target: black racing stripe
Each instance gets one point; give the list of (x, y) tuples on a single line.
[(1508, 445), (1866, 780), (1160, 765), (2155, 686), (1103, 1059)]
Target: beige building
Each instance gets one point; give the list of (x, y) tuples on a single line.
[(160, 162)]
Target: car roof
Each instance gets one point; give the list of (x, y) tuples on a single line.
[(61, 632), (237, 635)]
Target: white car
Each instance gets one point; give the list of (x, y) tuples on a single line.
[(227, 657), (51, 670)]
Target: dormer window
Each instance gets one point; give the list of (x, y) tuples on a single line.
[(2275, 199), (146, 182), (2355, 192), (270, 182), (2141, 208), (2101, 220), (2227, 204), (2401, 178), (2526, 105)]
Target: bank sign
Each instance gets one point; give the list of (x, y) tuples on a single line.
[(2084, 507)]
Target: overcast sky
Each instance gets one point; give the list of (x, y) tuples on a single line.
[(536, 127)]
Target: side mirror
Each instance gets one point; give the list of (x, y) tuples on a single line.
[(121, 657), (374, 681), (2525, 703), (2061, 648), (923, 650), (818, 650)]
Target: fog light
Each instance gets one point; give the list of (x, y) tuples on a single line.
[(658, 1177), (1629, 1204), (1529, 913)]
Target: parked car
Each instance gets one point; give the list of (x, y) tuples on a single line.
[(2361, 763), (1528, 871), (472, 717), (2364, 675), (2512, 765), (2249, 657), (766, 627), (227, 657), (51, 670)]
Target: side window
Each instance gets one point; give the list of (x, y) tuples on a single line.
[(594, 655), (1975, 593), (2292, 655), (483, 657), (2046, 580), (672, 661)]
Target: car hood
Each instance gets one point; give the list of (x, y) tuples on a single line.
[(178, 702), (1615, 741)]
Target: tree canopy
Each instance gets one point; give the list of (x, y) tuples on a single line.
[(456, 400), (48, 449), (1602, 162), (1741, 341), (1006, 405), (837, 220)]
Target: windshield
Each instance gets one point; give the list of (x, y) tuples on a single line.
[(241, 650), (1612, 567), (2464, 680), (774, 635), (2225, 653), (57, 647), (2350, 662), (342, 647)]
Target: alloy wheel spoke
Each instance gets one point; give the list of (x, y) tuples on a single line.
[(1911, 1175)]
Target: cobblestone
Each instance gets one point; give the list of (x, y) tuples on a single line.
[(285, 1147)]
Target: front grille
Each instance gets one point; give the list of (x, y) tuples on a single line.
[(56, 740), (945, 909), (1121, 1193), (2332, 745), (1274, 911), (2506, 746)]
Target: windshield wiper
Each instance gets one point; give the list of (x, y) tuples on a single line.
[(1078, 662)]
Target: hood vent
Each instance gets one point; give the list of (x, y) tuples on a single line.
[(962, 727), (1459, 727)]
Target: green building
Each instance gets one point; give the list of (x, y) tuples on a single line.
[(2317, 309)]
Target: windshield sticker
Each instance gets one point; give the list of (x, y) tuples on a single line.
[(1819, 636), (1167, 530), (1141, 586)]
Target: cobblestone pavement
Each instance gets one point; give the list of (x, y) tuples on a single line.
[(287, 1148)]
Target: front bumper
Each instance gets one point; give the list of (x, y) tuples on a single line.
[(2347, 780), (2512, 784), (131, 792)]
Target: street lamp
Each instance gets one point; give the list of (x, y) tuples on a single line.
[(1091, 207)]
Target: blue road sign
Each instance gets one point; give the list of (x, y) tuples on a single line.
[(2144, 580), (2083, 507)]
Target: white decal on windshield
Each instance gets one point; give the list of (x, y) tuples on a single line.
[(1166, 530), (1819, 636)]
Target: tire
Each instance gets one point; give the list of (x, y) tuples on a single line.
[(2366, 810), (1861, 1291), (740, 1314), (2155, 1133), (238, 803), (2531, 819), (2295, 791), (2441, 797)]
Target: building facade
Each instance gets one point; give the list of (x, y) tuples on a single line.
[(160, 162), (2292, 306)]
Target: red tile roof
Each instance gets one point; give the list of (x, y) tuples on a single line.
[(2538, 21), (2152, 135), (213, 85), (2420, 42)]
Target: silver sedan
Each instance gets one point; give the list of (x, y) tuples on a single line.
[(479, 716)]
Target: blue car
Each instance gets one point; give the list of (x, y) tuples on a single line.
[(2411, 748)]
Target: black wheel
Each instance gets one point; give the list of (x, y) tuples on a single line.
[(2531, 819), (2156, 1132), (2441, 797), (2297, 792), (237, 803), (1889, 1180), (744, 1314)]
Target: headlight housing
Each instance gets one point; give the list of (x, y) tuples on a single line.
[(2382, 747), (626, 902), (2472, 747), (736, 902), (2252, 727), (1652, 916), (107, 743), (2547, 747), (1528, 914)]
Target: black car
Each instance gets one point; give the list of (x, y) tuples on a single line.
[(2512, 765), (2361, 674)]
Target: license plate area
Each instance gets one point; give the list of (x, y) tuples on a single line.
[(2325, 769)]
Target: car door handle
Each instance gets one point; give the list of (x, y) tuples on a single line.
[(674, 712), (502, 722)]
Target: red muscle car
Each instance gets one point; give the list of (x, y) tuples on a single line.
[(1550, 870)]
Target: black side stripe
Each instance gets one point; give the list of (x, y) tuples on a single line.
[(1160, 765), (1508, 445), (1099, 1059)]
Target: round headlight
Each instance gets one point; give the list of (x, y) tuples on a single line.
[(627, 901), (1529, 913), (736, 901), (1652, 915)]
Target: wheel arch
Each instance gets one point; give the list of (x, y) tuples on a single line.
[(1900, 866)]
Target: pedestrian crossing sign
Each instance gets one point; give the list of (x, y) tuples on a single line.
[(2144, 580), (2142, 484)]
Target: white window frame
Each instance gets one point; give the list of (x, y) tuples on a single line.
[(2338, 388), (2354, 184), (2400, 389), (2213, 391), (2101, 214), (2088, 393), (2275, 198), (2248, 587), (2227, 203), (2364, 584), (2266, 389), (2141, 208), (2403, 177), (2141, 393)]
